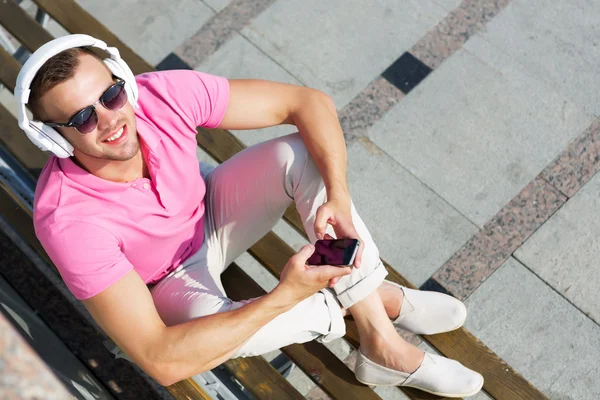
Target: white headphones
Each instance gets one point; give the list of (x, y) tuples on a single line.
[(42, 135)]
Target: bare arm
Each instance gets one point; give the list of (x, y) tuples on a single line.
[(257, 104), (126, 312)]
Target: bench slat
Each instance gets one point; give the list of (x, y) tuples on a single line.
[(10, 69), (501, 380), (256, 374), (24, 28), (11, 137), (188, 389), (319, 364)]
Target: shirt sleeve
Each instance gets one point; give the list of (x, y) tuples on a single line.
[(88, 257), (201, 97)]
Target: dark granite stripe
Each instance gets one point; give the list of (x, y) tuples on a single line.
[(406, 72), (453, 31), (468, 268), (577, 163), (218, 30), (366, 108), (172, 61)]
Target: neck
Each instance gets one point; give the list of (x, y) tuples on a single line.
[(115, 171)]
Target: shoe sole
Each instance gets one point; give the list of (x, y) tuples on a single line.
[(455, 395)]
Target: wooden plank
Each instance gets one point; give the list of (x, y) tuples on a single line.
[(13, 138), (24, 28), (75, 19), (318, 362), (10, 69), (261, 379), (188, 390)]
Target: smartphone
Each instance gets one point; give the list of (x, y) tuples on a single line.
[(338, 252)]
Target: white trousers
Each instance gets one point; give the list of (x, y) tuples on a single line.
[(246, 196)]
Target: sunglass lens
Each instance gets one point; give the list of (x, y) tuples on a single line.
[(115, 97), (86, 120)]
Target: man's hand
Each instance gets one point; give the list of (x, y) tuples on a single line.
[(299, 281), (336, 212)]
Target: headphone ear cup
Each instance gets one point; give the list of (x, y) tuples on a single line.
[(48, 139), (122, 72)]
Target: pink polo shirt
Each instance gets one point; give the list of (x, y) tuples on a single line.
[(95, 231)]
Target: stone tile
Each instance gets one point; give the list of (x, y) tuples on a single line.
[(332, 47), (301, 381), (214, 34), (257, 272), (340, 348), (577, 163), (415, 230), (537, 332), (453, 31), (152, 28), (468, 268), (556, 41), (564, 252), (368, 106), (240, 59), (217, 5), (467, 130), (449, 5)]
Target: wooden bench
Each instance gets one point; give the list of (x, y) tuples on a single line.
[(257, 375)]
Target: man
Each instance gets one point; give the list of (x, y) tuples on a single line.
[(141, 236)]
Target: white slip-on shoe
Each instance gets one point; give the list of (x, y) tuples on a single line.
[(427, 313), (436, 375)]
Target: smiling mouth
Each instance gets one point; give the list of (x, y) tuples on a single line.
[(116, 135)]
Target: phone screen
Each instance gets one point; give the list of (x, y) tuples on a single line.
[(334, 252)]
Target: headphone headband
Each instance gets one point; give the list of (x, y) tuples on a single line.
[(43, 136), (43, 54)]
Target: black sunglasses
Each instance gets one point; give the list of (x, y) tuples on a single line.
[(86, 120)]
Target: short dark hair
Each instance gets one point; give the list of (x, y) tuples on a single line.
[(56, 70)]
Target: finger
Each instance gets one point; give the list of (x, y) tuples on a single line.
[(329, 272), (328, 237), (305, 252), (321, 219), (333, 281)]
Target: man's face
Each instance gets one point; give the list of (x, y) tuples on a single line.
[(90, 81)]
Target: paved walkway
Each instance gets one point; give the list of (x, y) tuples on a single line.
[(473, 144)]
